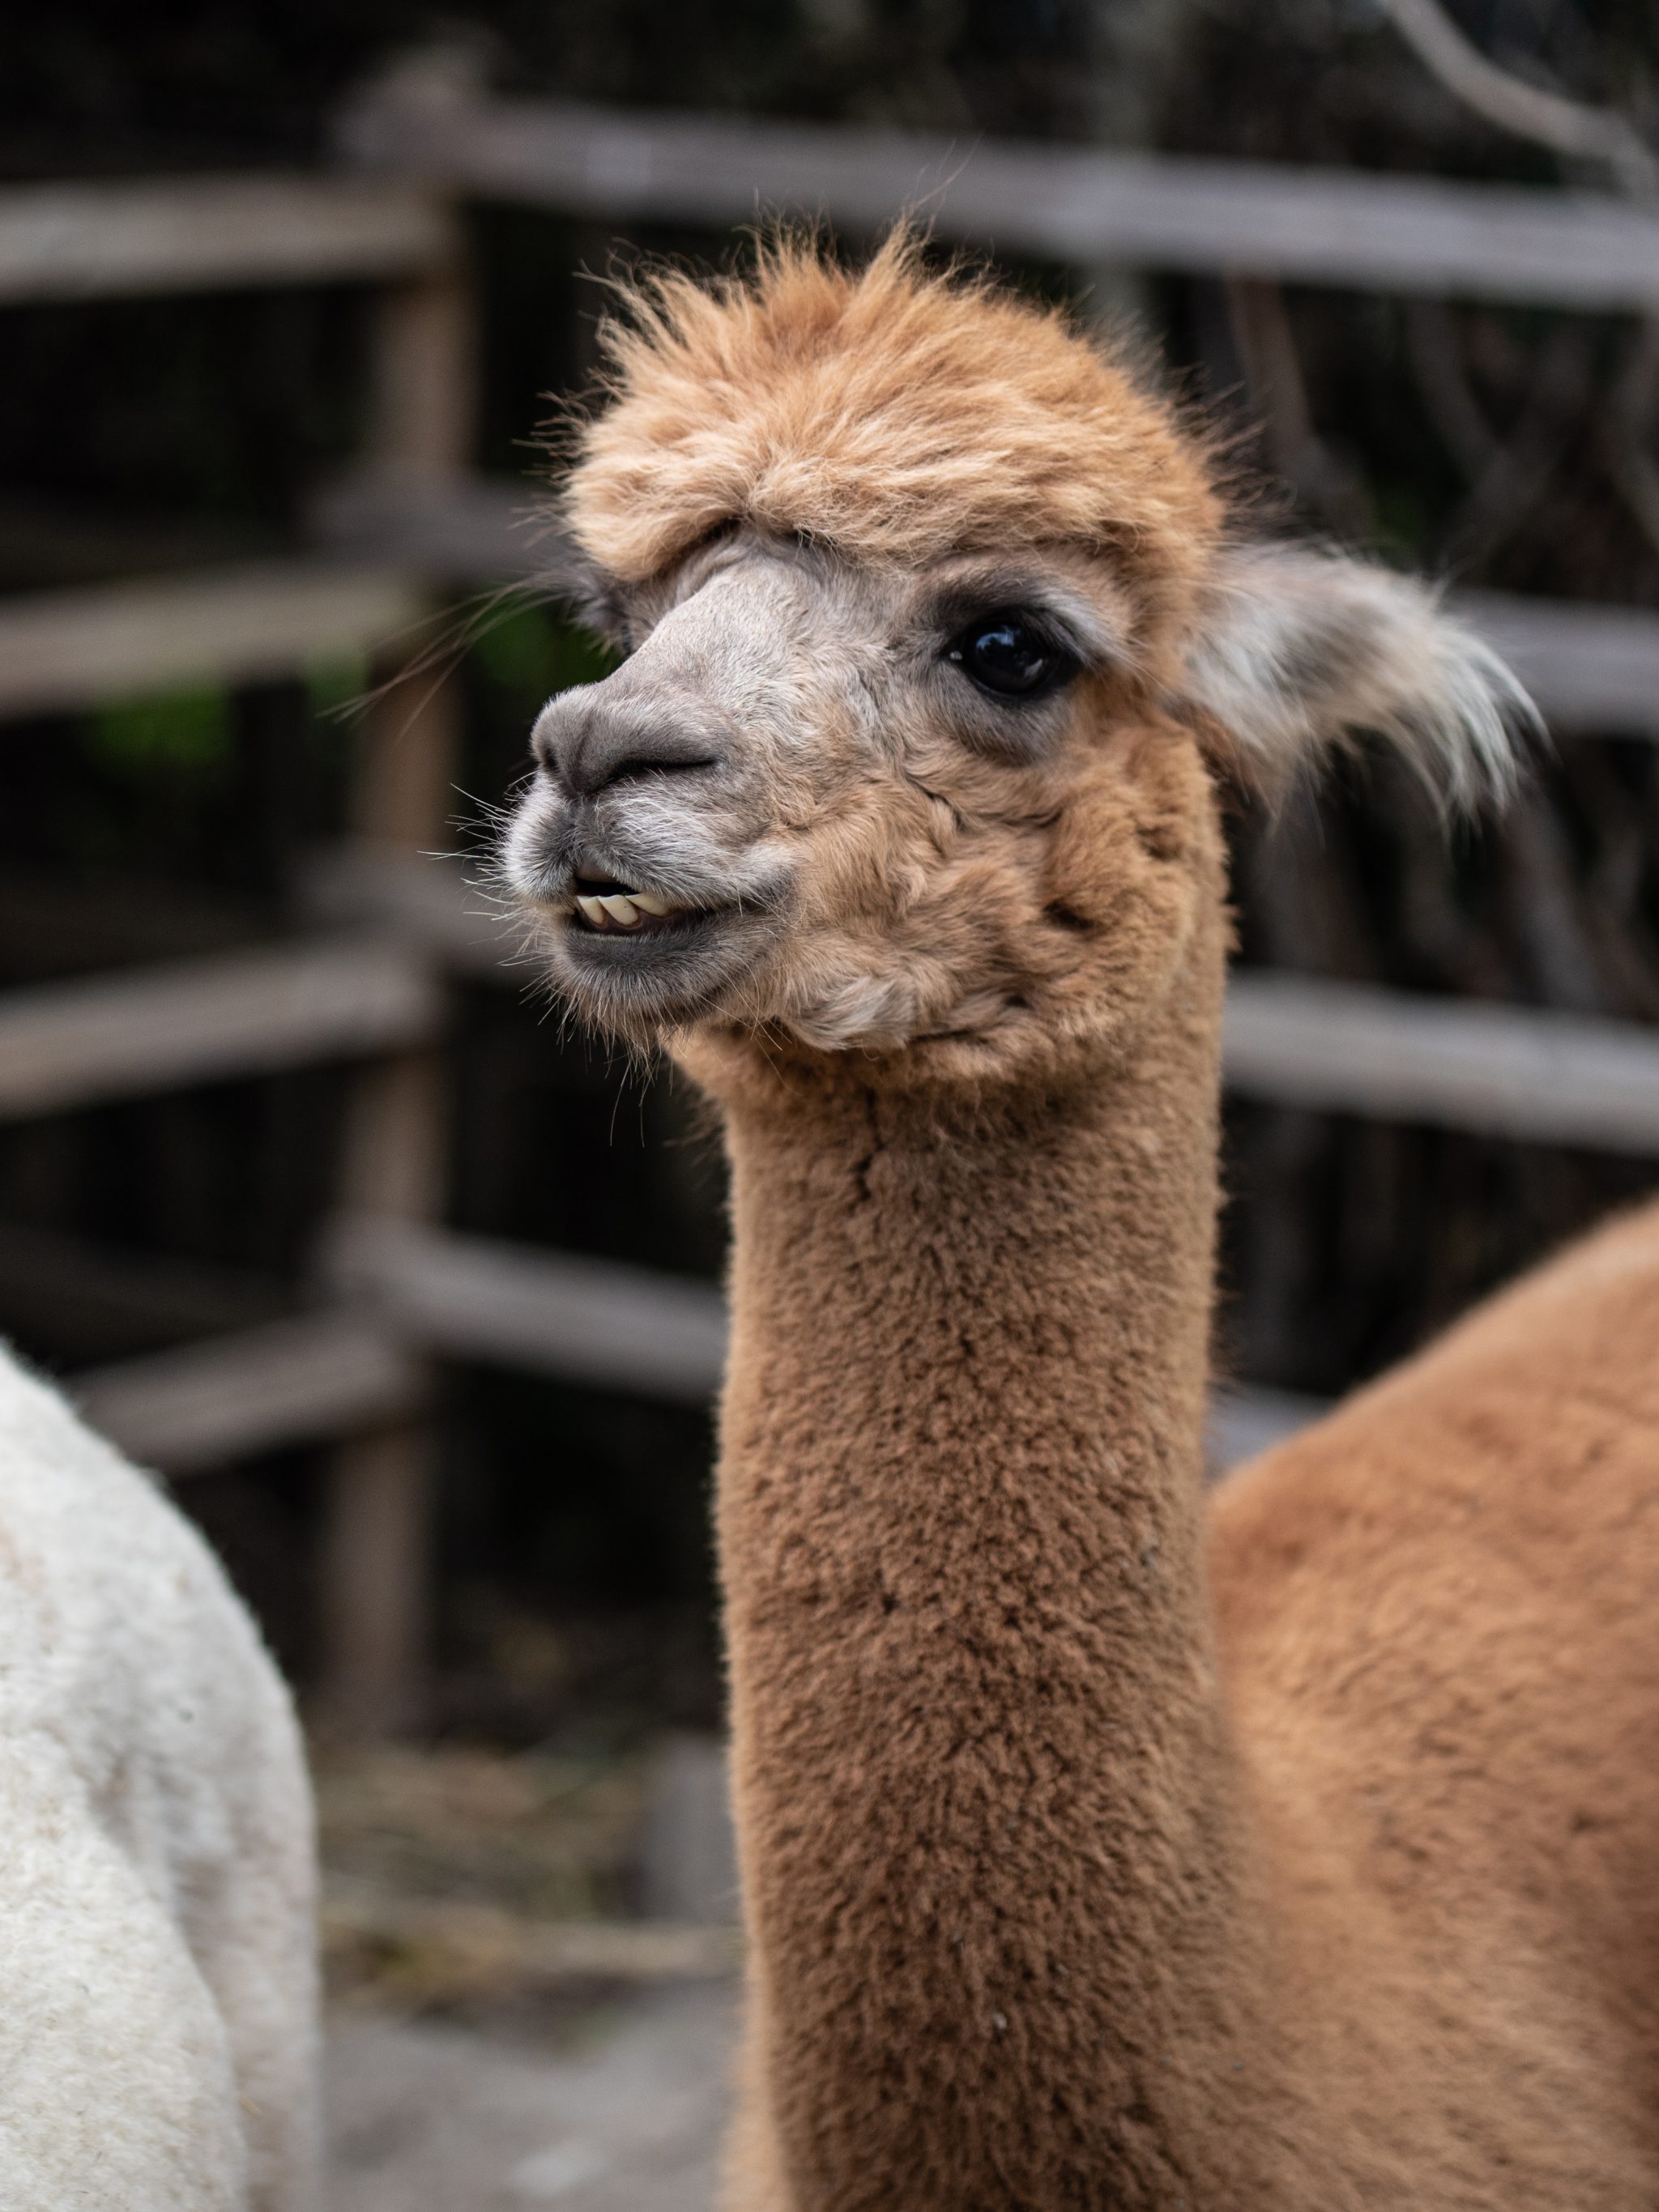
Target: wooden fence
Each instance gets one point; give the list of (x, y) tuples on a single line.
[(394, 1290), (370, 998), (1317, 226)]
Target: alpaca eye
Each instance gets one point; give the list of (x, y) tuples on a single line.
[(1008, 657)]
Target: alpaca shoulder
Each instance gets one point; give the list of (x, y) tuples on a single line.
[(1533, 1422), (1440, 1598)]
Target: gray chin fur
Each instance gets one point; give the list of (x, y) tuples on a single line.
[(633, 988)]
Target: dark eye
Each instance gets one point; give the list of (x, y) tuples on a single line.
[(1010, 657)]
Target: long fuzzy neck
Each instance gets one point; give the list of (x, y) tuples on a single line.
[(1000, 1954)]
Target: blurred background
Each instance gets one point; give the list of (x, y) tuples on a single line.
[(415, 1298)]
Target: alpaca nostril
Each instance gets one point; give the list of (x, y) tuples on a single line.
[(629, 771), (591, 744)]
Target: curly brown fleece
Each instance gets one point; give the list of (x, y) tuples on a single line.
[(1103, 1848)]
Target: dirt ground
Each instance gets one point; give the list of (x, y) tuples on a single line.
[(484, 2055), (623, 2114)]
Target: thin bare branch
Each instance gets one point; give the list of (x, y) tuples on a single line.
[(1514, 477), (1522, 468), (1568, 126), (1437, 362), (1267, 348)]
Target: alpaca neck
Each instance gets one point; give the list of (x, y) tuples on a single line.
[(986, 1810)]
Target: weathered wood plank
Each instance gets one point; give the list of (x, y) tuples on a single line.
[(422, 898), (201, 233), (69, 1045), (1464, 1063), (285, 1383), (61, 651), (475, 530), (314, 1376), (1589, 667), (1312, 225), (377, 1512), (584, 1320), (92, 1301)]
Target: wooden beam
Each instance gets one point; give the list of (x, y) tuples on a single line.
[(423, 899), (381, 1487), (1588, 667), (70, 1045), (52, 541), (285, 1383), (1414, 234), (592, 1321), (61, 651), (315, 1377), (1519, 1072), (212, 233), (375, 1569), (53, 923), (469, 530)]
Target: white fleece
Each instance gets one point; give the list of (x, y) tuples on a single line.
[(157, 1955)]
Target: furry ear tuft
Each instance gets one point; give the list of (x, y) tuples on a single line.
[(1295, 651)]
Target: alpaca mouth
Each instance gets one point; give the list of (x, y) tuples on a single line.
[(634, 957), (605, 907), (637, 969), (610, 920)]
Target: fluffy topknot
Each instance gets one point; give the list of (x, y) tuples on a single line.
[(894, 413)]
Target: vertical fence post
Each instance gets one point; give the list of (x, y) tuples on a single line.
[(375, 1563)]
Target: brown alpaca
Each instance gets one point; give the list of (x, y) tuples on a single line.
[(1101, 1848)]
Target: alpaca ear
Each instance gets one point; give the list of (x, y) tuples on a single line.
[(1295, 651)]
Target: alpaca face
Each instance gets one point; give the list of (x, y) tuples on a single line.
[(935, 631), (863, 808)]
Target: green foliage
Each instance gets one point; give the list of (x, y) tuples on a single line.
[(338, 687), (530, 653), (188, 730)]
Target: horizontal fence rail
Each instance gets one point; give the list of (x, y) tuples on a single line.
[(211, 233), (63, 651), (1588, 667), (286, 1383), (137, 1298), (472, 530), (424, 901), (68, 1045), (1516, 1072), (1398, 233), (583, 1320), (515, 1949)]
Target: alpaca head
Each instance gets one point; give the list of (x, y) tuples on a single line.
[(936, 636)]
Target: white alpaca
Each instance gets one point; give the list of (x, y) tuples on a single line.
[(157, 1965)]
